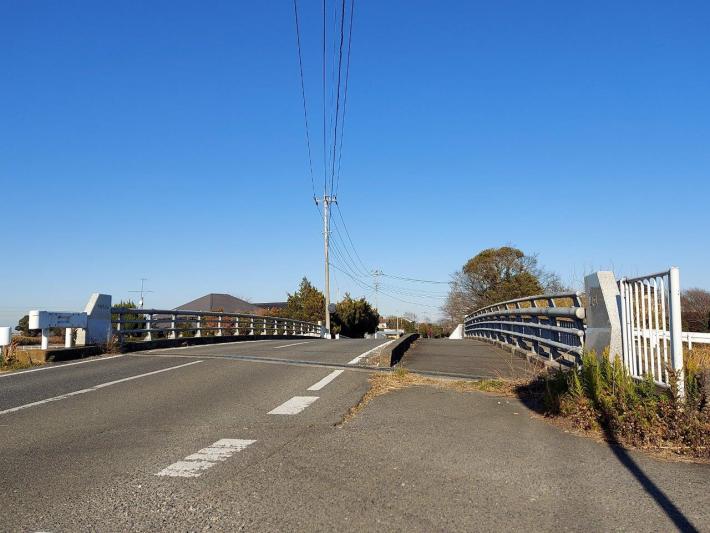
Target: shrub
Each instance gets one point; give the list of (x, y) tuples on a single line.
[(600, 394)]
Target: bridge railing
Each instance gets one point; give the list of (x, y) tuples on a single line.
[(549, 325), (149, 324), (651, 331)]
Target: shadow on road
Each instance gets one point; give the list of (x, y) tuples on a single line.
[(663, 501), (531, 399)]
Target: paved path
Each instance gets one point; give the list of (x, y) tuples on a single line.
[(197, 438), (464, 357)]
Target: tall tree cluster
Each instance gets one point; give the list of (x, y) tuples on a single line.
[(495, 275), (695, 308)]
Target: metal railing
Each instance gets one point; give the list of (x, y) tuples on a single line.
[(150, 324), (548, 325), (651, 331)]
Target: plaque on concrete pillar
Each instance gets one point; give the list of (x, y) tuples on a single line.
[(98, 326), (602, 311)]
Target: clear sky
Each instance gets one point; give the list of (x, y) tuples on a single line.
[(165, 140)]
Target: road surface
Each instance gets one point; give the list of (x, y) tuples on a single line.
[(248, 436)]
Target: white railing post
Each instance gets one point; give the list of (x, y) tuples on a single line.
[(45, 339), (219, 326), (173, 333), (119, 335), (67, 338), (251, 325), (199, 326), (148, 322), (676, 329)]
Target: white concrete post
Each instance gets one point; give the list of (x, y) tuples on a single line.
[(67, 338), (219, 326), (676, 329), (252, 326), (45, 339), (199, 326), (173, 333), (602, 312)]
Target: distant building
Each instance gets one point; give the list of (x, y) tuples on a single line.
[(228, 304)]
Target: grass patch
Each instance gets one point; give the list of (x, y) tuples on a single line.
[(11, 358), (400, 378)]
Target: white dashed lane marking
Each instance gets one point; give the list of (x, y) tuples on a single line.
[(294, 344), (195, 464), (294, 406), (327, 379)]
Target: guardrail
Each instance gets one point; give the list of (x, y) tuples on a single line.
[(651, 334), (149, 324), (548, 325)]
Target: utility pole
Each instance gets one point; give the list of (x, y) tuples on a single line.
[(376, 283), (327, 200)]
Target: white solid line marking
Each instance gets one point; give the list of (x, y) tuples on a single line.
[(294, 344), (294, 406), (327, 379), (193, 465), (59, 365), (94, 388), (368, 352)]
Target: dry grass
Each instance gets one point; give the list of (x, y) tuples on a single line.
[(15, 357), (401, 378)]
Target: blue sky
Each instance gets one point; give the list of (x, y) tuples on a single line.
[(166, 140)]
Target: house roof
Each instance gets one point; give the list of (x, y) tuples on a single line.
[(226, 303)]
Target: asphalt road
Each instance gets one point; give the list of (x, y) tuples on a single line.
[(185, 440), (467, 357)]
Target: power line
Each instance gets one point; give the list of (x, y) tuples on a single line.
[(325, 163), (347, 232), (365, 285), (345, 99), (303, 94), (416, 280), (337, 97)]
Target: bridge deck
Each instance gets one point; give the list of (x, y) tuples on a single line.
[(465, 357)]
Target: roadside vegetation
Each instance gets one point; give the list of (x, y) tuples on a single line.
[(13, 357), (601, 398), (353, 317), (496, 275)]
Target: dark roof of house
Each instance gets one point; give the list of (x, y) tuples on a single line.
[(226, 303)]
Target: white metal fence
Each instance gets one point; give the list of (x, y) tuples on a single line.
[(651, 331), (149, 324)]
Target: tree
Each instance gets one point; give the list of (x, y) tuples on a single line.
[(355, 317), (495, 275), (23, 326), (408, 325), (135, 320), (307, 303), (695, 308)]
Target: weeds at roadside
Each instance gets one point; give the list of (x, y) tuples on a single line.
[(401, 378), (9, 359), (601, 397)]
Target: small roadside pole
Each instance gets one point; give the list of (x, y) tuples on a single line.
[(5, 339)]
